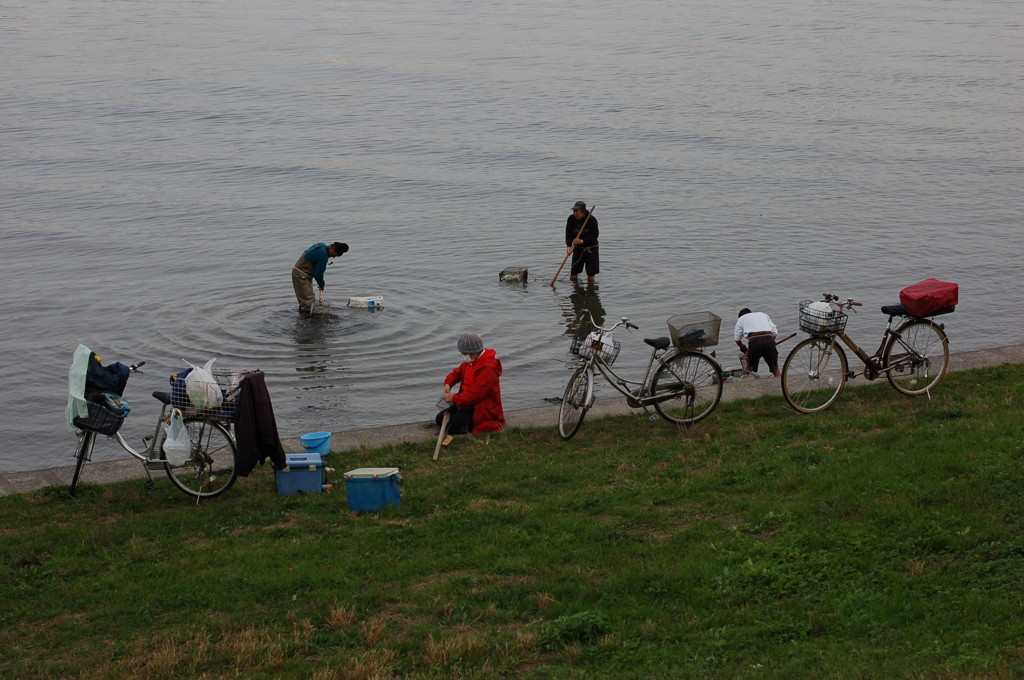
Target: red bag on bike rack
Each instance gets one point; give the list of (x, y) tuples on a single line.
[(929, 297)]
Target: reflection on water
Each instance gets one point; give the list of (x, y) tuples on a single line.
[(312, 336), (581, 304)]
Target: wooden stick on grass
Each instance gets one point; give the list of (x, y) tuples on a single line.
[(442, 433)]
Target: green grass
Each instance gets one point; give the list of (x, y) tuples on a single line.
[(881, 539)]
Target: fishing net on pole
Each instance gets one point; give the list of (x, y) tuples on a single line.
[(321, 305)]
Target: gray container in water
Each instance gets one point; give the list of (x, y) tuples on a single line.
[(515, 274)]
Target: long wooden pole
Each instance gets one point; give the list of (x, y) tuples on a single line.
[(566, 258)]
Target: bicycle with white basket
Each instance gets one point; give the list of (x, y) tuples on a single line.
[(913, 355), (682, 383), (208, 465)]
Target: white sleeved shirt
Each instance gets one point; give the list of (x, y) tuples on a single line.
[(755, 322)]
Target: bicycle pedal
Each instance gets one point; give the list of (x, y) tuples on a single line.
[(653, 417)]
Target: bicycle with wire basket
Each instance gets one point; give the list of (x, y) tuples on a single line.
[(210, 467), (681, 383), (913, 356)]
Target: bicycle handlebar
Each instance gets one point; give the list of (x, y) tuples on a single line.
[(625, 322), (134, 368), (849, 304)]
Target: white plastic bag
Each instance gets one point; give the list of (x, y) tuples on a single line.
[(596, 342), (177, 445), (201, 387), (821, 318)]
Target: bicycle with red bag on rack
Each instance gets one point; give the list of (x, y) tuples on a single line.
[(913, 355)]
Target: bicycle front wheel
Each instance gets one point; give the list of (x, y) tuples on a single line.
[(211, 468), (917, 357), (575, 402), (687, 388), (814, 375)]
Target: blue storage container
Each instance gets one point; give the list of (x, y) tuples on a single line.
[(317, 442), (304, 473), (370, 489)]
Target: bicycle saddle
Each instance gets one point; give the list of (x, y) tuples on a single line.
[(658, 343), (894, 310), (164, 397)]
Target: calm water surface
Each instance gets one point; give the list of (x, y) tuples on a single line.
[(162, 165)]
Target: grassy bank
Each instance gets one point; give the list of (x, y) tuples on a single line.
[(881, 539)]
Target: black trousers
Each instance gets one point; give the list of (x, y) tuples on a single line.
[(762, 346), (588, 258), (461, 421)]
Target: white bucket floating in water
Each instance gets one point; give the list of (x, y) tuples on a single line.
[(369, 302)]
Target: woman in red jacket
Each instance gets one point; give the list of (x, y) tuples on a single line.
[(476, 407)]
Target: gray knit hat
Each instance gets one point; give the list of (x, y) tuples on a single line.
[(471, 344)]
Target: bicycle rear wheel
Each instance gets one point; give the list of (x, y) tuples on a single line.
[(575, 402), (83, 453), (918, 357), (814, 375), (212, 467), (687, 388)]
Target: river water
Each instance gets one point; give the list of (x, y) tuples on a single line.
[(163, 163)]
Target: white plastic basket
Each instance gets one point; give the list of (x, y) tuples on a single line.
[(368, 302)]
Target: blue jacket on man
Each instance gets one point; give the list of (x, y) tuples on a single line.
[(317, 256)]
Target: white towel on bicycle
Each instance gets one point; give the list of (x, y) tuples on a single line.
[(202, 388), (78, 407), (177, 446)]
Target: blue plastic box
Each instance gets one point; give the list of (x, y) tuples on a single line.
[(304, 473), (370, 489)]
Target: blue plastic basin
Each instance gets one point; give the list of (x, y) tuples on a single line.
[(317, 442)]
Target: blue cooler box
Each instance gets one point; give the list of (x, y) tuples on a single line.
[(370, 489), (304, 472)]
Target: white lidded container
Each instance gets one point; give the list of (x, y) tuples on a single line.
[(369, 302)]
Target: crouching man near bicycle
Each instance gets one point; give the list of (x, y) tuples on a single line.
[(760, 332), (476, 407)]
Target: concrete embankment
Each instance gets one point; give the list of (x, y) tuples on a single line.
[(109, 472)]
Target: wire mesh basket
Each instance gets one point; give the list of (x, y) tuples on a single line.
[(697, 329), (821, 322), (585, 342), (199, 399), (101, 420), (521, 274), (443, 405)]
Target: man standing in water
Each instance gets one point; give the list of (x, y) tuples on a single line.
[(584, 246), (311, 265)]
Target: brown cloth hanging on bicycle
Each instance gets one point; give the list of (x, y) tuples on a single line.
[(255, 426)]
